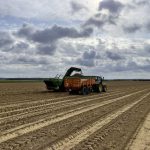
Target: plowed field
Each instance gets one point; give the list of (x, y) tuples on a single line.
[(32, 118)]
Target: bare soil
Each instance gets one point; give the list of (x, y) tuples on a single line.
[(32, 118)]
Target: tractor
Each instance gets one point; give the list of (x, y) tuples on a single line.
[(75, 82)]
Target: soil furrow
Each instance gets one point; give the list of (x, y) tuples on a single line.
[(40, 107), (141, 140), (116, 134), (11, 106), (52, 100), (62, 118), (34, 119), (79, 136), (56, 105), (18, 121), (52, 103)]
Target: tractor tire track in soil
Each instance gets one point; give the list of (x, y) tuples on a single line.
[(69, 119), (53, 121), (57, 106), (116, 134), (13, 121), (101, 104), (73, 140), (52, 102), (14, 111), (141, 138)]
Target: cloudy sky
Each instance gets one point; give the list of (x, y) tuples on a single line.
[(104, 37)]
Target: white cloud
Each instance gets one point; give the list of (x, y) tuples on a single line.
[(119, 44), (45, 9)]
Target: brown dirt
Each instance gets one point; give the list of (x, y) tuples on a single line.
[(141, 140), (32, 118)]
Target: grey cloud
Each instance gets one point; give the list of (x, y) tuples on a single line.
[(19, 46), (129, 66), (46, 49), (76, 7), (69, 49), (16, 47), (78, 54), (89, 55), (134, 67), (148, 26), (22, 45), (25, 31), (125, 67), (52, 34), (48, 37), (85, 62), (95, 22), (86, 32), (3, 59), (113, 56), (23, 58), (141, 2), (145, 68), (99, 20), (133, 28), (58, 32), (112, 19), (147, 48), (26, 59), (111, 5), (88, 59), (148, 61), (5, 39)]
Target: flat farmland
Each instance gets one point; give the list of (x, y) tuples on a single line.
[(31, 118)]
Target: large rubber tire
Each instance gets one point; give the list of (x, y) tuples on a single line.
[(90, 90), (99, 88), (85, 91), (104, 88), (73, 92), (94, 88), (70, 92)]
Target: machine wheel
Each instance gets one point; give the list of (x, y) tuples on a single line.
[(99, 88), (70, 92), (90, 90), (104, 88), (73, 92), (85, 91)]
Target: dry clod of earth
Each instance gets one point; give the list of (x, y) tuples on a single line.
[(32, 118)]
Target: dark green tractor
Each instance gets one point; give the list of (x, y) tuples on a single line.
[(53, 83), (57, 84)]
